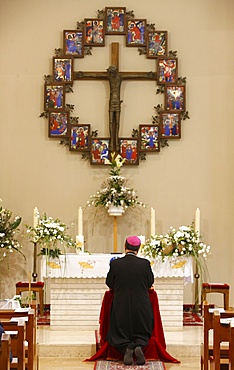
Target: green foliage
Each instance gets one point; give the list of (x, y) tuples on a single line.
[(8, 230), (52, 253), (49, 233)]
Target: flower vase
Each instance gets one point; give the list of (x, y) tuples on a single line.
[(167, 250), (115, 210), (180, 248)]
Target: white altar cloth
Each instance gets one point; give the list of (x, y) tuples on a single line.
[(183, 267), (97, 266)]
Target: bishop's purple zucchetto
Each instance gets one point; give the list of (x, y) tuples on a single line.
[(133, 243)]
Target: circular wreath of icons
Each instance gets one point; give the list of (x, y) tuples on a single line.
[(78, 43)]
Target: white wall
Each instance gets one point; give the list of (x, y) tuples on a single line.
[(196, 171)]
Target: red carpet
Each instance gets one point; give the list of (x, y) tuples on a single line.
[(192, 319), (45, 319), (117, 365)]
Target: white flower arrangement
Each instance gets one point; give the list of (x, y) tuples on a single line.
[(48, 233), (114, 191), (8, 230), (176, 243)]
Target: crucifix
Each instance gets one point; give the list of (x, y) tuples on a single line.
[(115, 79)]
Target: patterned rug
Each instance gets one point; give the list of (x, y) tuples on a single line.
[(116, 365)]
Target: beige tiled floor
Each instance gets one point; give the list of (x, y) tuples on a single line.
[(55, 347)]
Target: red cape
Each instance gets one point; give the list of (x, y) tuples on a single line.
[(156, 348)]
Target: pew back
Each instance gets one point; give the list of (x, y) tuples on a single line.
[(231, 346), (221, 334), (17, 332), (5, 351), (31, 327), (206, 347)]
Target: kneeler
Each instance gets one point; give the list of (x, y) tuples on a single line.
[(156, 348)]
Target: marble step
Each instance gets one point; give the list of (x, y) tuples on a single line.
[(81, 344), (87, 350)]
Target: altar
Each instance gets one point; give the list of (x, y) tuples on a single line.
[(77, 286)]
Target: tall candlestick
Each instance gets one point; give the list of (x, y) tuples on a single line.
[(197, 275), (152, 221), (197, 222), (29, 288), (80, 221)]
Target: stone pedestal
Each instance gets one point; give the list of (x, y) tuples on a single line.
[(170, 293)]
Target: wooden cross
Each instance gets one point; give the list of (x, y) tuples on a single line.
[(115, 79)]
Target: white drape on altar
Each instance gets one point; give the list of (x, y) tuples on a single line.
[(97, 266)]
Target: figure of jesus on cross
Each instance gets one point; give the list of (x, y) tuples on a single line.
[(115, 79)]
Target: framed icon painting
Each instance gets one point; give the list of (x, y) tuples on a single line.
[(58, 123), (167, 70), (73, 43), (79, 138), (175, 97), (115, 20), (94, 32), (149, 138), (99, 150), (129, 150), (156, 44), (136, 32), (170, 125), (63, 69), (54, 96)]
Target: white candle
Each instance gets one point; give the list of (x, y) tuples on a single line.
[(197, 222), (35, 217), (80, 221), (142, 239), (152, 221)]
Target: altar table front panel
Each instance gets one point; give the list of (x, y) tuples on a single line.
[(76, 301)]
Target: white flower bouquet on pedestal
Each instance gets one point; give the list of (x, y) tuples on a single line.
[(114, 190)]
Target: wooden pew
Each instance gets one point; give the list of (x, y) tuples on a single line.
[(17, 332), (31, 328), (221, 334), (231, 346), (206, 347), (5, 351)]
